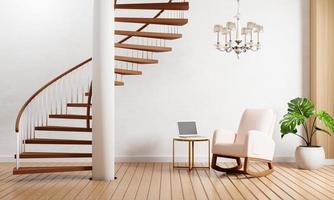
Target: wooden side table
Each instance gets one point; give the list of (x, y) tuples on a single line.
[(191, 151)]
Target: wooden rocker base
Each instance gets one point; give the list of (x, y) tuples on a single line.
[(238, 168)]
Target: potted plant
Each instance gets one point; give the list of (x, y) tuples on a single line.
[(301, 112)]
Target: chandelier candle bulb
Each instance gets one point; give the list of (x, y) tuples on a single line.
[(238, 44), (258, 29), (229, 35), (217, 29), (238, 30), (251, 36), (224, 32)]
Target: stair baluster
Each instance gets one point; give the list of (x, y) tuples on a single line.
[(135, 48), (50, 99)]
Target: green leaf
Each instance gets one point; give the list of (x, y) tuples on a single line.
[(290, 122), (299, 110), (302, 106), (327, 120)]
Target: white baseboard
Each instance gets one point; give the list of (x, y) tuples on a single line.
[(329, 162), (144, 158), (200, 158), (7, 158), (160, 158), (292, 160), (284, 159)]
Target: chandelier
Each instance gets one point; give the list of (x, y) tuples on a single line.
[(234, 38)]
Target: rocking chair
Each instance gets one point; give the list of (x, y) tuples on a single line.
[(252, 141)]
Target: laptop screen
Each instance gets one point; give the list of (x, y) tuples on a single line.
[(187, 128)]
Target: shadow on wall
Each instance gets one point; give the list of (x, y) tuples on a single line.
[(305, 15)]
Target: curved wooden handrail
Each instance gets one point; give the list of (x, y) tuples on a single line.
[(17, 124), (145, 25), (89, 102)]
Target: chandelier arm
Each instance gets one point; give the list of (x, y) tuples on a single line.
[(255, 49), (221, 49), (228, 50)]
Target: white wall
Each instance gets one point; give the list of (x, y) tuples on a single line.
[(42, 38), (196, 82), (39, 39)]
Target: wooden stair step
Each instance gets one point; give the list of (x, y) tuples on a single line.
[(143, 47), (155, 35), (87, 93), (127, 72), (162, 21), (116, 83), (69, 116), (53, 155), (57, 141), (34, 170), (78, 105), (136, 60), (119, 83), (155, 6), (63, 128)]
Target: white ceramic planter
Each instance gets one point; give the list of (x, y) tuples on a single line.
[(309, 157)]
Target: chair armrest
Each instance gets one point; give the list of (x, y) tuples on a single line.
[(223, 137), (260, 145)]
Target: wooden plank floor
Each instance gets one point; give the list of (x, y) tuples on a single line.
[(161, 181)]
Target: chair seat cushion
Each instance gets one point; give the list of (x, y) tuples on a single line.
[(235, 150)]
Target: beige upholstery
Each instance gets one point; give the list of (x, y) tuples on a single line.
[(253, 138)]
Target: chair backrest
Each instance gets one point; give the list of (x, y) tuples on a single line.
[(255, 119)]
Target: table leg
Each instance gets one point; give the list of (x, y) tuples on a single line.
[(193, 153), (189, 156), (209, 154), (173, 153)]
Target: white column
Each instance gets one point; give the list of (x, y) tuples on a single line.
[(103, 91)]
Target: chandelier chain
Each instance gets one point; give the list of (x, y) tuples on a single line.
[(238, 10)]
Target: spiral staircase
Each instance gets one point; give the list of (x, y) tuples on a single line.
[(47, 117)]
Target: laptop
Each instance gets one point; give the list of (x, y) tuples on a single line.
[(187, 129)]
